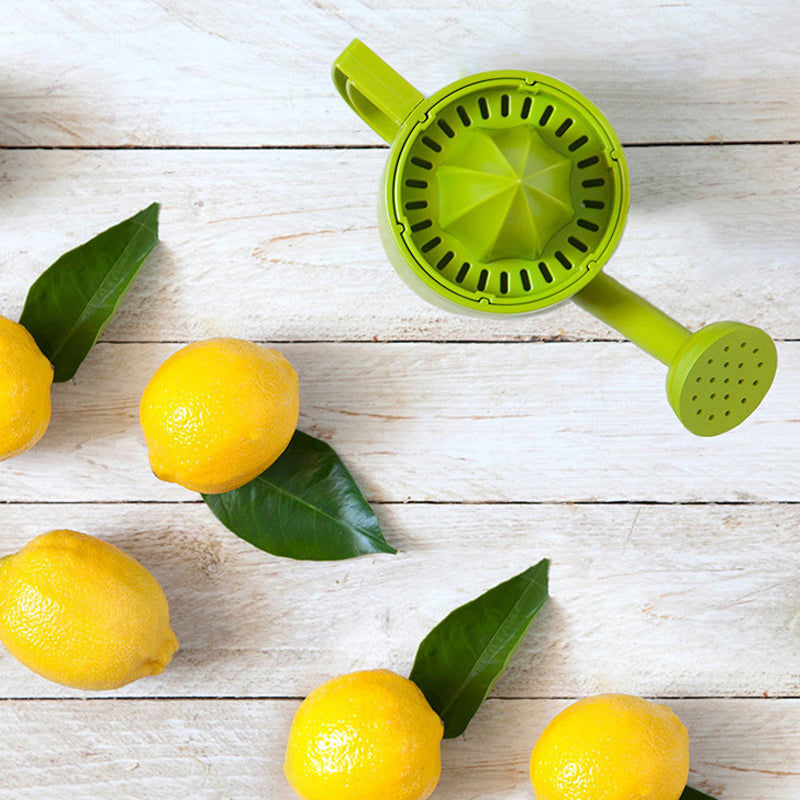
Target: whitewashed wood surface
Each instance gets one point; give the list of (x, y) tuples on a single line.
[(484, 445)]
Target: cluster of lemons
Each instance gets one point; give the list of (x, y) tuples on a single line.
[(82, 613)]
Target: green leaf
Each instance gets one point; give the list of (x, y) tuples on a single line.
[(460, 660), (305, 506), (694, 794), (71, 302)]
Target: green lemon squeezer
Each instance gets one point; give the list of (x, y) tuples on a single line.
[(505, 193)]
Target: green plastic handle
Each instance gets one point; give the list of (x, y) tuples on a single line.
[(635, 318), (381, 97)]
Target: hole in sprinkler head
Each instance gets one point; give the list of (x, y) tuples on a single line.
[(741, 364), (726, 364), (710, 417), (755, 383), (711, 380), (744, 400), (760, 364), (727, 347), (740, 381), (743, 345), (726, 397), (694, 398), (699, 411), (755, 350), (710, 361), (727, 413), (713, 396)]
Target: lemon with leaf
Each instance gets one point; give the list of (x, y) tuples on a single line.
[(25, 379), (611, 747), (219, 412), (368, 735)]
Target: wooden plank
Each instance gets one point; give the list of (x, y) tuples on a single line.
[(283, 245), (681, 601), (211, 749), (534, 422), (139, 73)]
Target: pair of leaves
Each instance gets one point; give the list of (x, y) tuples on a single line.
[(71, 302)]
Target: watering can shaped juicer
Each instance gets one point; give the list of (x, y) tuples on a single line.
[(506, 192)]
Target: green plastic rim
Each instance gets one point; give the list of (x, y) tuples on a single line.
[(506, 192)]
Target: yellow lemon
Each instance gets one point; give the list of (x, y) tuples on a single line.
[(611, 747), (25, 380), (365, 736), (217, 413), (82, 613)]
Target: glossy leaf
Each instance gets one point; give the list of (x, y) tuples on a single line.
[(71, 302), (305, 506), (694, 794), (460, 660)]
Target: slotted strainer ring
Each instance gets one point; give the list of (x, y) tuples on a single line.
[(506, 192)]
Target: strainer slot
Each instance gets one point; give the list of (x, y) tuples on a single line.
[(589, 225), (526, 108), (546, 114), (432, 144), (588, 162), (430, 244), (412, 205), (504, 285), (415, 184), (482, 279), (564, 126), (463, 115), (525, 277), (593, 204), (484, 107), (578, 143), (420, 226), (565, 262), (592, 182), (578, 244), (446, 129), (421, 162), (462, 273), (546, 274), (505, 103), (445, 260)]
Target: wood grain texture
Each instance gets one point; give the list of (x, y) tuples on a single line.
[(245, 74), (210, 750), (283, 245), (529, 422), (674, 601)]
